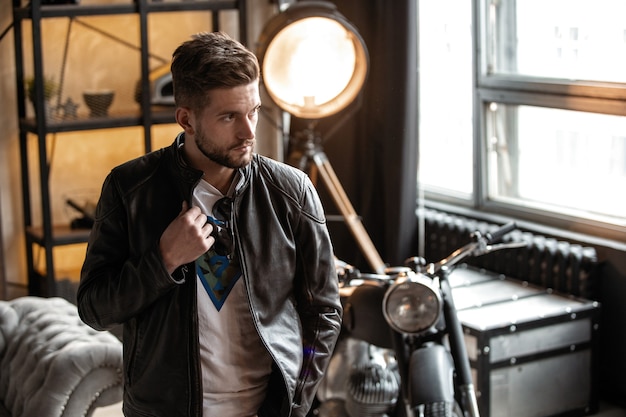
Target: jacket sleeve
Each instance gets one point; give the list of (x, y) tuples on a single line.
[(317, 295), (122, 273)]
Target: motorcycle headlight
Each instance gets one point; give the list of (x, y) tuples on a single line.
[(412, 306)]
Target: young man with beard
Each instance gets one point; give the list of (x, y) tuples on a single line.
[(216, 260)]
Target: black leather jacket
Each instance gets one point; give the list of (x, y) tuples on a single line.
[(287, 263)]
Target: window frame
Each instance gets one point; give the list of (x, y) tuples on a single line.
[(594, 97)]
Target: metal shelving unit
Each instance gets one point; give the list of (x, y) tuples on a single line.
[(49, 235)]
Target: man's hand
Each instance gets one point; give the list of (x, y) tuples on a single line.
[(186, 238)]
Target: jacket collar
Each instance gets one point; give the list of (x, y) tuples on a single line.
[(191, 174)]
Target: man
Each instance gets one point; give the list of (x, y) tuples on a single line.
[(217, 261)]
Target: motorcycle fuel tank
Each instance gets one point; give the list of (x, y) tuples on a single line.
[(363, 316)]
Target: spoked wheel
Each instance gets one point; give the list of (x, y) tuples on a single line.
[(441, 409)]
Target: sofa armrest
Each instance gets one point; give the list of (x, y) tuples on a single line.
[(55, 365)]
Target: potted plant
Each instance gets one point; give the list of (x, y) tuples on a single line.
[(50, 90)]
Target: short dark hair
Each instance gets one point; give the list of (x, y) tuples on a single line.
[(210, 60)]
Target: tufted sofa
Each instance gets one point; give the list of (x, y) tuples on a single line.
[(52, 364)]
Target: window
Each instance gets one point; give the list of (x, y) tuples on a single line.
[(523, 109), (445, 98)]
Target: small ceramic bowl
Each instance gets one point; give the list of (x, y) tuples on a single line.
[(98, 102)]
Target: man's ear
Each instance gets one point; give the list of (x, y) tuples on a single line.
[(184, 118)]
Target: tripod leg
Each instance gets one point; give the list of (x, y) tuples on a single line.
[(313, 171), (352, 220)]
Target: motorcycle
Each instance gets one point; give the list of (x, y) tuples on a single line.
[(402, 350)]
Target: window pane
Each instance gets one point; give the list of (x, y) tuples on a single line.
[(564, 39), (445, 95), (561, 160)]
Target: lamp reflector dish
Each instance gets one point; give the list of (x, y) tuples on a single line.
[(314, 67)]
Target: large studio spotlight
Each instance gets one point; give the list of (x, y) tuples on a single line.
[(314, 64)]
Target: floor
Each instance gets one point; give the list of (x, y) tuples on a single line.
[(612, 412), (116, 411)]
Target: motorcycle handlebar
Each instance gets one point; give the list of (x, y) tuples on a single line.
[(481, 245), (497, 235)]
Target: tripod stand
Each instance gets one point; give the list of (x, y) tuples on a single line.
[(308, 156)]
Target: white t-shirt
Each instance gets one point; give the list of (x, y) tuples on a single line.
[(235, 364)]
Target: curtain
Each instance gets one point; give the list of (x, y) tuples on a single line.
[(374, 152)]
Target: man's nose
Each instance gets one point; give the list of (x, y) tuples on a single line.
[(247, 129)]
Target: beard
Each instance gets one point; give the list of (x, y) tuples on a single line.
[(222, 156)]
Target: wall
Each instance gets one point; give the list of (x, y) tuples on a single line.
[(612, 288), (10, 194), (80, 160)]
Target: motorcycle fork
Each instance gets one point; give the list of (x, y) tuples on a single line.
[(456, 341), (400, 348), (404, 346)]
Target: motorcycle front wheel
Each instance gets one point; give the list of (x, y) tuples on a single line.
[(440, 409)]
